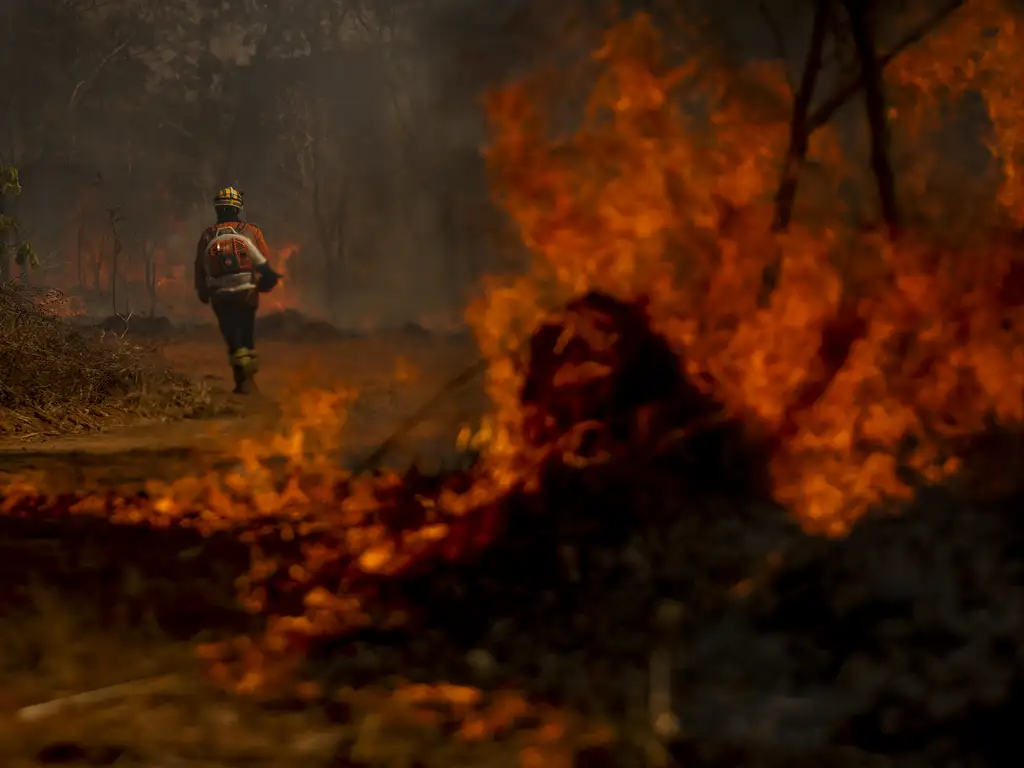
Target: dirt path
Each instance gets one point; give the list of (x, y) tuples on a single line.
[(393, 377), (96, 605)]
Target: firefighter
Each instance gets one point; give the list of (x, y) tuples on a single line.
[(231, 270)]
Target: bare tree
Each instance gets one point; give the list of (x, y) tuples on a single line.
[(800, 129)]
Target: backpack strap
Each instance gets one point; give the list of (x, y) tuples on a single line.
[(225, 229)]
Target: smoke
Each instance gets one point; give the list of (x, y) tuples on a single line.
[(361, 146)]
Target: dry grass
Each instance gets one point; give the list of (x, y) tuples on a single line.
[(56, 378), (153, 708)]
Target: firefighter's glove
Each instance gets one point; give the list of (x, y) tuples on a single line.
[(266, 278)]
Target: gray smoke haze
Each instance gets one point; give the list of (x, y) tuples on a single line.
[(353, 127)]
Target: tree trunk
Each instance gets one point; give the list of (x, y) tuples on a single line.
[(828, 108), (799, 128), (113, 285), (113, 279), (327, 248), (824, 113), (149, 267), (115, 258), (338, 268), (79, 257), (97, 268), (861, 22), (330, 276)]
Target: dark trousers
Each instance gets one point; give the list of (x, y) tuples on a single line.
[(236, 317)]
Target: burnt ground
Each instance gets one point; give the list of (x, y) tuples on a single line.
[(898, 645)]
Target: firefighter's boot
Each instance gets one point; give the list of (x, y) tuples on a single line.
[(244, 366)]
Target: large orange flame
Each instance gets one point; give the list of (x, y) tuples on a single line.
[(639, 203)]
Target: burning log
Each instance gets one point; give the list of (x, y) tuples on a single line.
[(599, 362)]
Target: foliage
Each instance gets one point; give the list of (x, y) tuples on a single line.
[(25, 255), (10, 182)]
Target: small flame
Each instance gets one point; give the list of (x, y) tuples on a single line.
[(284, 295)]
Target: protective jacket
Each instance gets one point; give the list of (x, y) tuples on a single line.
[(232, 262)]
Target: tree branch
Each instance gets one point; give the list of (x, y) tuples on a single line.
[(76, 93), (799, 130), (824, 113)]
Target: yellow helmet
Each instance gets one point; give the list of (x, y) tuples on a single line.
[(228, 197)]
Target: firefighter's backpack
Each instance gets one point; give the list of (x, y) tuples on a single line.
[(230, 252)]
